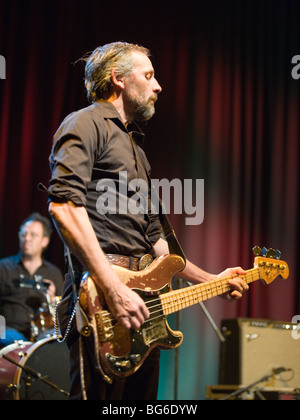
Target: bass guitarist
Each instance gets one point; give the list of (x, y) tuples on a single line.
[(93, 144)]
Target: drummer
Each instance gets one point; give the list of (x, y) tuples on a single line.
[(26, 279)]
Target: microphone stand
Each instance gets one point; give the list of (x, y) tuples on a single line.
[(246, 388), (178, 325), (36, 375), (210, 319)]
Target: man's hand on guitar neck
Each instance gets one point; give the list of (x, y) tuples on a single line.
[(195, 274), (238, 284)]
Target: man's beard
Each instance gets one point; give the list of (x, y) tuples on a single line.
[(142, 111)]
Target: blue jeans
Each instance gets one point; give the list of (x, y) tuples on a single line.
[(10, 336)]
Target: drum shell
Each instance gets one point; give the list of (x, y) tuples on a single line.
[(47, 357), (7, 369)]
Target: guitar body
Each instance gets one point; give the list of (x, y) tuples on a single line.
[(118, 351)]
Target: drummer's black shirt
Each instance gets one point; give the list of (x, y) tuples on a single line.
[(18, 303)]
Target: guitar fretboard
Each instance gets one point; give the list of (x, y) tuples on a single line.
[(183, 298)]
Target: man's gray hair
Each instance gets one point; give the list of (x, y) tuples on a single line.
[(102, 61)]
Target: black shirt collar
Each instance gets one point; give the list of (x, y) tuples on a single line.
[(18, 259), (109, 111)]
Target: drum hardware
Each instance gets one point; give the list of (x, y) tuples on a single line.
[(34, 371), (35, 283), (44, 319), (32, 374)]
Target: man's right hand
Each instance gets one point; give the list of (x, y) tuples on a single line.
[(126, 305)]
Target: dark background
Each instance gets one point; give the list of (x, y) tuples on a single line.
[(228, 113)]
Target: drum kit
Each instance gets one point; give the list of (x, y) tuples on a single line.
[(36, 369)]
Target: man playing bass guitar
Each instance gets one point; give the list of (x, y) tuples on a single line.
[(96, 143)]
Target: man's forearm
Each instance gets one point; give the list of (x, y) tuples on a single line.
[(76, 231), (191, 272)]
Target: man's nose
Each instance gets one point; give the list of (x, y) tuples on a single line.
[(157, 88)]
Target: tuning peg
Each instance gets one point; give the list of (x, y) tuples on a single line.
[(263, 252), (256, 250), (271, 253), (278, 254)]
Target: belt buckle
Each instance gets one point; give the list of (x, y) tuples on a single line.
[(145, 261)]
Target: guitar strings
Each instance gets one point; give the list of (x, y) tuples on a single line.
[(168, 301), (163, 299), (186, 295)]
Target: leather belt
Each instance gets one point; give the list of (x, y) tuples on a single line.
[(131, 263)]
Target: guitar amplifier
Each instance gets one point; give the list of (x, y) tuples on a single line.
[(256, 348)]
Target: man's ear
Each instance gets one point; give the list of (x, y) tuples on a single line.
[(45, 242), (117, 80)]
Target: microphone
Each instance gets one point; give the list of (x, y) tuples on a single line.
[(279, 370)]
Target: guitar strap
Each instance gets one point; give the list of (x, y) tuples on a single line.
[(169, 233)]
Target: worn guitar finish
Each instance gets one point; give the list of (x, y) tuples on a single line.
[(120, 352)]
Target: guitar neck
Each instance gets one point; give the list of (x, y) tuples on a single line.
[(176, 300)]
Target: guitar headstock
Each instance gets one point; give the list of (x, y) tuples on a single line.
[(269, 265)]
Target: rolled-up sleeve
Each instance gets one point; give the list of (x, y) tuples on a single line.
[(76, 145)]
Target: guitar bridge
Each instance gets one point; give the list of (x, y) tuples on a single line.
[(104, 325)]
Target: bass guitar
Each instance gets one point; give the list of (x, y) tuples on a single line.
[(119, 351)]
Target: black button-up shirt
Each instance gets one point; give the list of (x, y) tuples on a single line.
[(97, 163)]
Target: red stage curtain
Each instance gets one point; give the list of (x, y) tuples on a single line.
[(228, 114)]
